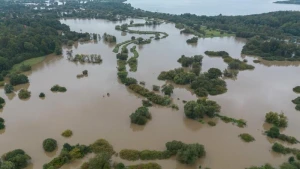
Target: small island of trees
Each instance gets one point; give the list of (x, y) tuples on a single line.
[(140, 116), (49, 144), (16, 159), (278, 120), (57, 88), (192, 40), (24, 94)]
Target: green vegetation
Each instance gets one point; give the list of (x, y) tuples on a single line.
[(167, 89), (288, 2), (147, 103), (279, 148), (109, 38), (57, 88), (16, 159), (42, 95), (26, 65), (145, 166), (155, 98), (272, 49), (240, 123), (116, 49), (156, 88), (67, 133), (16, 79), (102, 145), (275, 133), (230, 73), (131, 155), (296, 89), (8, 88), (68, 154), (49, 144), (140, 116), (175, 107), (279, 120), (297, 102), (92, 58), (132, 61), (246, 137), (24, 94), (211, 123), (217, 53), (2, 125), (197, 109), (2, 101), (189, 61), (266, 166), (192, 40)]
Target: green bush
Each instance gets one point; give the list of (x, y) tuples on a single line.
[(140, 116), (145, 166), (190, 153), (211, 123), (146, 103), (18, 157), (296, 89), (297, 107), (216, 53), (8, 88), (296, 101), (2, 125), (197, 109), (174, 106), (256, 61), (2, 101), (100, 161), (214, 73), (201, 92), (49, 144), (174, 146), (246, 137), (188, 61), (279, 120), (24, 94), (273, 132), (102, 145), (131, 155), (279, 148), (42, 95), (57, 88), (167, 89), (67, 133), (85, 72), (129, 81), (16, 79), (24, 68), (192, 40)]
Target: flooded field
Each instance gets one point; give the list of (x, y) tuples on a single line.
[(87, 110)]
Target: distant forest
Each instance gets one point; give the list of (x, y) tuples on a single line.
[(288, 2)]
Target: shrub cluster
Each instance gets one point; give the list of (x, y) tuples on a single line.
[(67, 133), (155, 98), (2, 101), (42, 95), (68, 154), (49, 144), (296, 89), (167, 89), (297, 102), (109, 38), (275, 133), (133, 155), (24, 94), (147, 103), (57, 88), (188, 61), (16, 79), (102, 145), (145, 166), (156, 88), (279, 120), (8, 88), (15, 159), (197, 109), (140, 116), (240, 122), (192, 40), (211, 123), (2, 125), (247, 137), (217, 53)]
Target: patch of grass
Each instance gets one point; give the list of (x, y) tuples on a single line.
[(214, 32), (247, 137), (29, 62)]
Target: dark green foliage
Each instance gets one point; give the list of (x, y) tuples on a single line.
[(140, 116), (120, 166), (175, 107), (174, 146), (67, 133), (275, 133), (167, 89), (297, 107), (192, 40), (279, 148), (133, 155), (272, 49), (296, 101), (156, 88), (49, 144), (212, 86), (122, 56), (57, 88), (178, 76), (101, 161), (230, 73), (246, 137), (18, 157), (291, 159), (2, 125), (16, 79), (130, 81), (189, 153), (109, 38), (256, 61), (197, 109), (279, 120), (240, 123), (188, 61), (24, 68), (214, 73), (85, 72), (201, 92), (216, 53), (24, 94), (68, 154), (8, 88), (42, 95), (146, 103), (266, 166), (7, 165), (2, 101), (155, 98), (122, 75)]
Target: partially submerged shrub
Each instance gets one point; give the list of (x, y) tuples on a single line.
[(49, 144), (140, 116), (146, 103), (156, 88), (279, 120), (197, 109), (24, 94), (8, 88), (167, 89), (211, 123), (102, 145), (18, 157), (67, 133), (42, 95), (85, 72), (296, 89), (131, 155), (16, 79), (57, 88), (246, 137)]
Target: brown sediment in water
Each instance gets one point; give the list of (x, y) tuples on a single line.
[(90, 116)]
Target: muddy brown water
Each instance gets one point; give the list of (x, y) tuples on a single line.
[(90, 114)]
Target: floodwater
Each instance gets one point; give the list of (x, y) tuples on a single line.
[(91, 114), (212, 7)]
